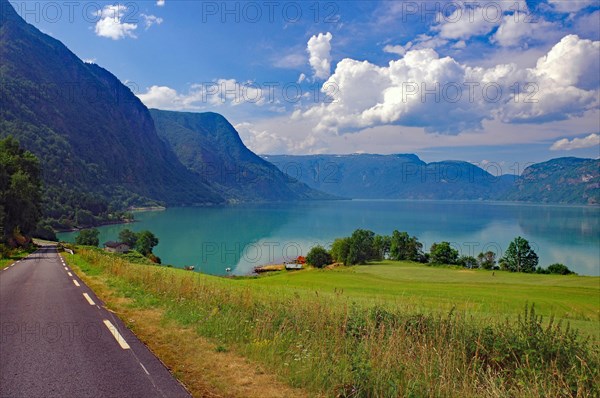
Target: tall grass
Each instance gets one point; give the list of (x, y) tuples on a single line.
[(338, 348)]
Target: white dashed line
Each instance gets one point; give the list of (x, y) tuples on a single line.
[(76, 283), (113, 330), (66, 269), (145, 370), (70, 274), (89, 299)]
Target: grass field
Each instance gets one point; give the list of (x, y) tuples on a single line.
[(422, 288), (382, 330)]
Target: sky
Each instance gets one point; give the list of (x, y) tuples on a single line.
[(507, 82)]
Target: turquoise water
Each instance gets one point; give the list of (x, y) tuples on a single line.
[(242, 237)]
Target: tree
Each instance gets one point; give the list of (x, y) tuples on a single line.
[(381, 246), (146, 241), (339, 250), (559, 269), (318, 257), (84, 218), (20, 189), (88, 237), (361, 247), (486, 260), (405, 248), (520, 257), (443, 253), (128, 237), (468, 261)]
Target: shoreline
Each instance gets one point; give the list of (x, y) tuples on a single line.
[(147, 208)]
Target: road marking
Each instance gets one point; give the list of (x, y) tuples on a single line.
[(89, 299), (70, 274), (66, 269), (76, 283), (113, 330), (145, 370)]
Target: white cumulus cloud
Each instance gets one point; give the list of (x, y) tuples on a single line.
[(202, 96), (590, 141), (319, 50), (465, 22), (111, 25), (160, 3), (423, 89), (517, 29)]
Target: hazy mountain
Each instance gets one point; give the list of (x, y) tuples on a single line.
[(392, 177), (96, 140), (564, 180)]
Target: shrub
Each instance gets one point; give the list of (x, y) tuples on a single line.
[(443, 253), (88, 237), (468, 261), (559, 269), (318, 257)]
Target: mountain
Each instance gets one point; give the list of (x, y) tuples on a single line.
[(403, 176), (96, 140), (98, 144), (563, 180), (209, 145)]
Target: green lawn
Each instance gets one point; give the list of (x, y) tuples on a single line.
[(423, 288)]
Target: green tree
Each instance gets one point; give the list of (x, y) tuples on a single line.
[(340, 249), (486, 260), (88, 237), (405, 248), (128, 237), (361, 247), (318, 257), (468, 261), (84, 218), (146, 241), (443, 253), (381, 245), (520, 257), (559, 269), (20, 189)]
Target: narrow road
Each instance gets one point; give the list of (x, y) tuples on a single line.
[(58, 340)]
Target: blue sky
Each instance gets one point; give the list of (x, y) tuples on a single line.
[(436, 78)]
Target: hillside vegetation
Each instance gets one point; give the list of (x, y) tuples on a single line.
[(388, 329), (563, 180), (207, 144)]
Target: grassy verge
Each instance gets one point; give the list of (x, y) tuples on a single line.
[(342, 333), (15, 255), (207, 368)]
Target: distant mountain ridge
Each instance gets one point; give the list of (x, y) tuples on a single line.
[(405, 176), (564, 180)]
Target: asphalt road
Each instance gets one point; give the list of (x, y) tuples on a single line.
[(58, 340)]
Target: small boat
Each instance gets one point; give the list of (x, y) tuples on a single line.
[(189, 268)]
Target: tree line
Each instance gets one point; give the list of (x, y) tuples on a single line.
[(365, 246), (143, 242)]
